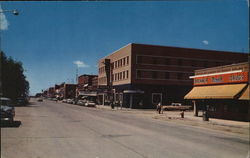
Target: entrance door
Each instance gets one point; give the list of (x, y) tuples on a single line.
[(156, 98)]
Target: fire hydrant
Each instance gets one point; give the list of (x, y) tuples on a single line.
[(182, 114)]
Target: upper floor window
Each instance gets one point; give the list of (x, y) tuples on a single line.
[(167, 75), (124, 63), (154, 74), (179, 76), (180, 61), (167, 61), (127, 60), (138, 74)]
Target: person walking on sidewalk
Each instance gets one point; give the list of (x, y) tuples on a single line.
[(159, 107)]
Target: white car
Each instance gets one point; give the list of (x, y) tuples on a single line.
[(90, 103)]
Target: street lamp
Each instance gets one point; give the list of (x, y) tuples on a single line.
[(14, 12)]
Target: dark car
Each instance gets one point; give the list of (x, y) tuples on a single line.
[(40, 99), (7, 109), (22, 101)]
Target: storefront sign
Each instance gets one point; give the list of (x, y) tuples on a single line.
[(238, 77)]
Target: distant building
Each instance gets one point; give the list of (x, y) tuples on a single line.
[(87, 82), (223, 91), (51, 92), (142, 75), (69, 91), (87, 85)]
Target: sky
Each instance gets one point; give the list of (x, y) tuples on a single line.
[(52, 39)]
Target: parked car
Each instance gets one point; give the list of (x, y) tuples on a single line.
[(70, 101), (64, 100), (40, 99), (21, 101), (90, 103), (54, 99), (81, 102), (7, 109)]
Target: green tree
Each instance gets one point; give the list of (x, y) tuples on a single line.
[(13, 81)]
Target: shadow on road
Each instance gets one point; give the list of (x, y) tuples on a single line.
[(9, 124)]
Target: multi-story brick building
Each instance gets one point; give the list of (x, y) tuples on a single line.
[(222, 91), (87, 82), (144, 75)]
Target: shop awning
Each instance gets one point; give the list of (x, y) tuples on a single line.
[(215, 92), (245, 95)]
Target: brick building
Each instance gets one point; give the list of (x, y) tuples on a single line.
[(87, 85), (222, 91), (144, 75)]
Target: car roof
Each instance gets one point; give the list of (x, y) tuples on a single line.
[(2, 98)]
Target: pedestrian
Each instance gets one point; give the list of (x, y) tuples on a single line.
[(159, 107), (182, 114)]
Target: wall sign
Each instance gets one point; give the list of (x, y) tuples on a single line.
[(221, 79)]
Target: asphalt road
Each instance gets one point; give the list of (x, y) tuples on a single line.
[(58, 130)]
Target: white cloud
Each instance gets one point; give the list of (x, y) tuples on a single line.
[(3, 21), (80, 64), (205, 42)]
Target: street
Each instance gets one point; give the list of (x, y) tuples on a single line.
[(57, 130)]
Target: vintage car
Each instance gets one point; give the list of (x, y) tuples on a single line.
[(7, 109)]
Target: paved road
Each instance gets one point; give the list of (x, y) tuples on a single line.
[(58, 130)]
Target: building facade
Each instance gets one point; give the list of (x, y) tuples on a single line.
[(142, 75), (87, 85), (222, 91)]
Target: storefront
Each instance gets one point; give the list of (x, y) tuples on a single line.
[(222, 93)]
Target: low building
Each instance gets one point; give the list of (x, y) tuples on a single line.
[(141, 75), (222, 91)]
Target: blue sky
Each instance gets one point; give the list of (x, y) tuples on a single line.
[(48, 37)]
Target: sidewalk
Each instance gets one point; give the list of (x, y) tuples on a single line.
[(232, 127)]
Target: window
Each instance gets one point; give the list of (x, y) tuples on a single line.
[(123, 76), (154, 74), (156, 98), (116, 77), (193, 63), (205, 64), (154, 60), (179, 76), (124, 63), (127, 60), (138, 74), (139, 59), (167, 75), (167, 61), (127, 74), (179, 62)]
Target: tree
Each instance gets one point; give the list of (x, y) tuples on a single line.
[(13, 81)]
